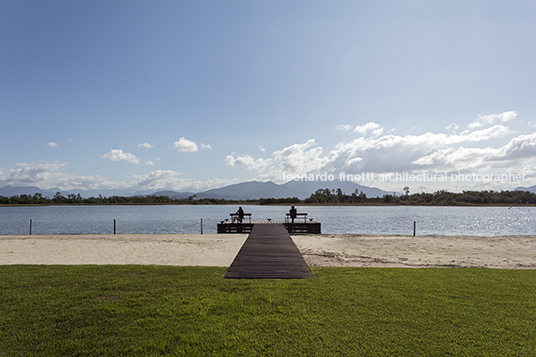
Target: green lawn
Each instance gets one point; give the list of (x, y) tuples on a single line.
[(194, 311)]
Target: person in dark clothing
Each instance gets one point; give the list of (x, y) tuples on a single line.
[(293, 213), (240, 214)]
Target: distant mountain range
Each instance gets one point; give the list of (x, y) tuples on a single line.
[(256, 190), (530, 189), (239, 191)]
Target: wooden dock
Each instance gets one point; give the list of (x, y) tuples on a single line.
[(310, 227), (269, 253)]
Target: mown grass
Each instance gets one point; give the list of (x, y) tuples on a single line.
[(194, 311)]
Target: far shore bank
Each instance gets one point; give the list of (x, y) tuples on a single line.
[(256, 203)]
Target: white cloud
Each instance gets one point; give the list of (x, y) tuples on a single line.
[(262, 148), (377, 132), (383, 153), (29, 173), (427, 140), (51, 145), (119, 155), (529, 170), (345, 127), (388, 153), (206, 147), (495, 131), (492, 119), (370, 126), (173, 180), (452, 126), (45, 175), (521, 147), (517, 152), (399, 153), (247, 161), (185, 145), (300, 158), (155, 180), (352, 161), (151, 162), (295, 159), (146, 146)]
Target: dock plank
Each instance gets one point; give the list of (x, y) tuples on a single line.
[(269, 253)]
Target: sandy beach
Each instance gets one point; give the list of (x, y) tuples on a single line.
[(143, 249), (504, 252)]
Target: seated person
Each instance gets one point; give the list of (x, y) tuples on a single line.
[(240, 214), (293, 213)]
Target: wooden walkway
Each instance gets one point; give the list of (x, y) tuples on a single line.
[(269, 253)]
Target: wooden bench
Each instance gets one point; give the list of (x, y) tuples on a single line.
[(234, 217), (298, 216)]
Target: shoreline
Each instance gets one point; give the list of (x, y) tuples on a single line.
[(256, 203), (324, 250)]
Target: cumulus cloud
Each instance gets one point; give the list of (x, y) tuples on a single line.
[(51, 145), (45, 175), (463, 159), (492, 119), (425, 141), (398, 153), (151, 162), (146, 146), (518, 151), (48, 175), (375, 128), (185, 145), (155, 180), (119, 155), (394, 153), (29, 173), (521, 147), (473, 149), (247, 161), (295, 159)]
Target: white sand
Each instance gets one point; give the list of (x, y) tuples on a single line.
[(144, 249), (507, 252)]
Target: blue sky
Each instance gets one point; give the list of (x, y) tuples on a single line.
[(192, 95)]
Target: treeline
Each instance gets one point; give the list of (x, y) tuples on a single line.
[(438, 198), (59, 199), (319, 197)]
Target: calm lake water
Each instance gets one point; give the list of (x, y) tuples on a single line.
[(491, 221)]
